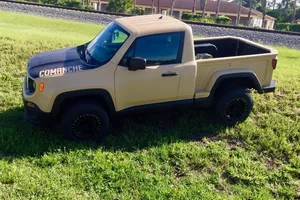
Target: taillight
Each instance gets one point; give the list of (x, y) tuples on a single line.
[(274, 63)]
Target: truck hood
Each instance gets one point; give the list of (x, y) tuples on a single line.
[(55, 56), (56, 63)]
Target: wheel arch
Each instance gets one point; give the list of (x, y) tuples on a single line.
[(246, 80), (100, 96)]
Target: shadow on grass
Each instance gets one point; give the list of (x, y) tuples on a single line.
[(22, 139)]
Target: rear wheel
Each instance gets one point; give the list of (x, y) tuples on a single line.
[(234, 107), (85, 122)]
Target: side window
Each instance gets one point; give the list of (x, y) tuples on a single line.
[(159, 49), (129, 53)]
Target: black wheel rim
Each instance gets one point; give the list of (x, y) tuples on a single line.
[(86, 127), (235, 109)]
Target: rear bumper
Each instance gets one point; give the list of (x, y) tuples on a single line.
[(36, 116), (270, 88)]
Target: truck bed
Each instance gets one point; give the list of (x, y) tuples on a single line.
[(217, 56)]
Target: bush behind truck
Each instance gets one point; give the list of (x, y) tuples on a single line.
[(141, 64)]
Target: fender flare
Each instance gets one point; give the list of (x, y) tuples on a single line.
[(250, 75), (102, 94)]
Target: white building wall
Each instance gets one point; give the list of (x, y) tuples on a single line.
[(256, 22)]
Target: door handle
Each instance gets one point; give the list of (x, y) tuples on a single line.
[(169, 74)]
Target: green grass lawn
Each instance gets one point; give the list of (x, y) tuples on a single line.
[(179, 156)]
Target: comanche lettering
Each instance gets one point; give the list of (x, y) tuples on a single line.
[(60, 70)]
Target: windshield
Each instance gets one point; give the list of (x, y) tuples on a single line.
[(105, 45)]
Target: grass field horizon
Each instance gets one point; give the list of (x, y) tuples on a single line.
[(171, 156)]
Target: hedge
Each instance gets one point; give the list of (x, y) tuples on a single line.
[(295, 27), (187, 16), (223, 20), (197, 17), (283, 26)]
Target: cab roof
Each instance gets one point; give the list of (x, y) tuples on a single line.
[(151, 24)]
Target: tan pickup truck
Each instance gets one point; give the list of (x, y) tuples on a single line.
[(144, 64)]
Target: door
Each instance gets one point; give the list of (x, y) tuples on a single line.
[(157, 83)]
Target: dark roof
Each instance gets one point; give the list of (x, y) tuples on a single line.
[(225, 7)]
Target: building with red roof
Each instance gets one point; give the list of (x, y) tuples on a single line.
[(229, 9)]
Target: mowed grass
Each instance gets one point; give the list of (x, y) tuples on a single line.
[(171, 156)]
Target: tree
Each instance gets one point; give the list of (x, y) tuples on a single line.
[(264, 5), (194, 8), (120, 6), (98, 7), (218, 7), (298, 13), (294, 11), (134, 7), (172, 7), (246, 3), (249, 13), (281, 15), (273, 4), (152, 6), (204, 2), (239, 13)]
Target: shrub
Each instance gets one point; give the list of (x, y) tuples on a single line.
[(207, 19), (120, 6), (223, 20), (54, 2), (197, 18), (70, 3), (241, 25), (295, 27), (88, 7), (187, 16), (283, 26)]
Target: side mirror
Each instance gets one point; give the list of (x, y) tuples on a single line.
[(136, 63)]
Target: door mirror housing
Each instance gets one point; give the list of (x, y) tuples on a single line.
[(137, 63)]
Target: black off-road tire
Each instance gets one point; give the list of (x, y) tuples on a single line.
[(85, 122), (233, 106)]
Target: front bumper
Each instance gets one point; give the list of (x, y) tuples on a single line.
[(35, 115), (270, 88)]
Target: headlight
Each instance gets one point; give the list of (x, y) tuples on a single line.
[(31, 86)]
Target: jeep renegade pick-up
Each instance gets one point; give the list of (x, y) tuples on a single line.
[(144, 63)]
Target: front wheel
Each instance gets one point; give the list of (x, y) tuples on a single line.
[(234, 107), (85, 122)]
